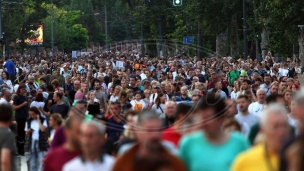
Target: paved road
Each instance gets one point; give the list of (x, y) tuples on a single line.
[(22, 164)]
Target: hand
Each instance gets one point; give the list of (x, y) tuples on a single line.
[(25, 103), (29, 131)]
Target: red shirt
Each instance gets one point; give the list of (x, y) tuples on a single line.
[(171, 135), (57, 157)]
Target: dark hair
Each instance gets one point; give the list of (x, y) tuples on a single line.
[(6, 73), (272, 98), (59, 94), (48, 71), (137, 92), (182, 109), (130, 112), (57, 118), (50, 88), (123, 93), (218, 105), (232, 122), (116, 103), (247, 81), (242, 96), (22, 85), (157, 100), (6, 112), (35, 110), (39, 97), (43, 79)]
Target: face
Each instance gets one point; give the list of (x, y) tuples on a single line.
[(55, 97), (115, 109), (245, 85), (276, 130), (261, 95), (52, 122), (267, 80), (274, 89), (32, 115), (132, 81), (243, 104), (73, 133), (195, 99), (76, 85), (23, 91), (137, 97), (92, 95), (170, 109), (84, 87), (97, 86), (288, 96), (184, 91), (57, 71), (293, 88), (209, 124), (90, 139), (149, 134)]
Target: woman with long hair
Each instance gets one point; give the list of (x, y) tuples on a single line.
[(236, 90), (288, 98), (159, 105), (7, 82), (116, 93), (55, 122), (93, 104), (38, 102), (36, 144)]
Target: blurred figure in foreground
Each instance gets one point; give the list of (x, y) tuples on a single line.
[(265, 155), (149, 153), (215, 147), (92, 139)]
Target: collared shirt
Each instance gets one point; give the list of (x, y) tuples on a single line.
[(79, 164)]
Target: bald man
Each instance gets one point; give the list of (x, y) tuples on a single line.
[(170, 108)]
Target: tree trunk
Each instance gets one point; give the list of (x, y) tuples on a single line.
[(221, 44), (301, 46), (234, 36), (264, 42)]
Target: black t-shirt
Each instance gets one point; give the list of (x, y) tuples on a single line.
[(135, 89), (21, 113), (50, 97), (62, 109)]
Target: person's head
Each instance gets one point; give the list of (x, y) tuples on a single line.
[(130, 94), (34, 112), (298, 107), (21, 89), (218, 85), (72, 130), (261, 95), (294, 87), (39, 97), (92, 137), (81, 105), (184, 90), (274, 126), (231, 125), (6, 113), (132, 81), (267, 79), (97, 85), (91, 95), (6, 93), (274, 89), (283, 85), (287, 95), (195, 98), (181, 111), (148, 131), (5, 75), (57, 97), (243, 102), (246, 84), (85, 87), (57, 71), (170, 107), (160, 99), (55, 120), (115, 108), (212, 112), (137, 95), (76, 84), (117, 90)]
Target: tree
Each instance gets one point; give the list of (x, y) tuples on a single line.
[(79, 38)]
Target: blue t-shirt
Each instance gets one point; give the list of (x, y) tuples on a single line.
[(200, 155), (10, 67)]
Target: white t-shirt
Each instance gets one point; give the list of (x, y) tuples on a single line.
[(256, 109), (9, 83), (283, 72), (248, 120), (77, 164), (114, 98), (3, 101), (38, 104), (138, 105), (35, 127)]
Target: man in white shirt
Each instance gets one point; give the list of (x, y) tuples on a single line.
[(92, 139), (154, 96), (267, 84), (246, 119), (5, 96), (257, 107)]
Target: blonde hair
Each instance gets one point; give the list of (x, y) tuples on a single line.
[(89, 93)]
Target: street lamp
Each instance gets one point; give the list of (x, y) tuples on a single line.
[(177, 3)]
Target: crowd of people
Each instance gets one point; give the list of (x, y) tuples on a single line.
[(122, 112)]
